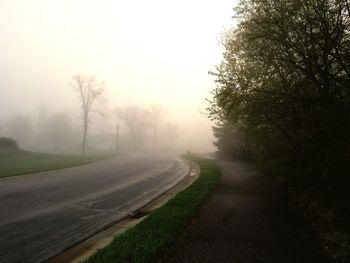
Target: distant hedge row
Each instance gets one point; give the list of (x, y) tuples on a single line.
[(8, 144)]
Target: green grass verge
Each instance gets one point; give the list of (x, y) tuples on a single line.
[(146, 240), (11, 165)]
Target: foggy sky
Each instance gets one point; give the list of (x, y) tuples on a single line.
[(144, 51)]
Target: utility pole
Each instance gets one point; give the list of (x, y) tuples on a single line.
[(117, 141)]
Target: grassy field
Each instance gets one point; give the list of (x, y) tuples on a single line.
[(11, 165), (145, 241)]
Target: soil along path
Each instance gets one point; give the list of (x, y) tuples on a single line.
[(246, 219)]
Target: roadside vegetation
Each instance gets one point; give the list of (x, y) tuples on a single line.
[(150, 237), (24, 163), (283, 96)]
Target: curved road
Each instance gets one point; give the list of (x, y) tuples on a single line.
[(42, 214)]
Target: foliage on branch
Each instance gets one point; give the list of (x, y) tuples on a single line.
[(285, 80), (284, 85)]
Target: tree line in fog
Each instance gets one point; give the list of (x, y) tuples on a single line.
[(95, 129)]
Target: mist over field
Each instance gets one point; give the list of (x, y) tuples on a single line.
[(140, 53), (119, 119)]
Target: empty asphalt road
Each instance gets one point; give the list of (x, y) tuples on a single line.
[(42, 214)]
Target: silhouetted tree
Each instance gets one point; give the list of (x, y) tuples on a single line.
[(169, 134), (157, 113), (89, 90), (229, 141), (137, 120)]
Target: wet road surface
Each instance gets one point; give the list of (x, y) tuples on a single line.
[(42, 214)]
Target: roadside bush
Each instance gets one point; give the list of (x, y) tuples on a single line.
[(8, 145)]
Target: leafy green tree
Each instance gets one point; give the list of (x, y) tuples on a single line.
[(284, 83)]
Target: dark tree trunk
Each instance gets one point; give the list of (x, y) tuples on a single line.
[(83, 150)]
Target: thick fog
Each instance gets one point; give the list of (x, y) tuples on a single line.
[(150, 58)]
